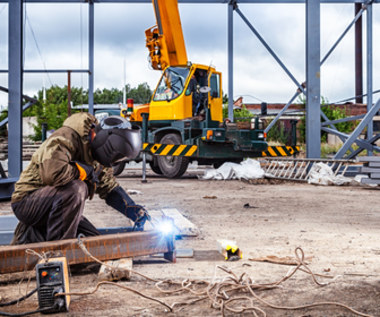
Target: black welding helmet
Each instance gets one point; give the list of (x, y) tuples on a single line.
[(115, 140)]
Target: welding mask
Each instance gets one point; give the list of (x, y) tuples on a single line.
[(115, 140)]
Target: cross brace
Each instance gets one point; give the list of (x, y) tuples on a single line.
[(354, 136), (107, 247)]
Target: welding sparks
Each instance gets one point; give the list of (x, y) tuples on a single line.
[(165, 226)]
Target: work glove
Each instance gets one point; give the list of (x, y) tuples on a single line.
[(121, 201), (143, 216), (89, 176)]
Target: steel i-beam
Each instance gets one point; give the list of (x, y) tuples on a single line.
[(107, 247)]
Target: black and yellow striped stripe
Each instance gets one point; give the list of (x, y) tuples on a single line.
[(170, 149), (274, 151)]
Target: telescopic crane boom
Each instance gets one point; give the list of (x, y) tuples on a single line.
[(165, 40)]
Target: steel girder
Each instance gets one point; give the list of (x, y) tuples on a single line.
[(107, 247), (196, 1)]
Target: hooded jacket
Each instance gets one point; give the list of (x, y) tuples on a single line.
[(52, 164)]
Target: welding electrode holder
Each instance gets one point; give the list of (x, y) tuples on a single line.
[(143, 216)]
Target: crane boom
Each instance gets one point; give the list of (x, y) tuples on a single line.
[(165, 40), (183, 121)]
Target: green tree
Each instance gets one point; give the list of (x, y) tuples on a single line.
[(240, 114), (279, 134), (335, 113), (108, 96), (3, 129), (54, 110), (141, 94)]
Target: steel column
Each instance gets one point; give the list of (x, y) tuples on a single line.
[(313, 83), (369, 71), (356, 18), (358, 15), (15, 76), (91, 56), (107, 247), (358, 56), (230, 31), (68, 93)]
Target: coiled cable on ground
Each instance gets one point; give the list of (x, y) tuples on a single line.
[(231, 294)]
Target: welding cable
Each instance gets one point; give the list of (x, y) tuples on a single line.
[(85, 251), (26, 313), (20, 299), (120, 286), (219, 292), (305, 306)]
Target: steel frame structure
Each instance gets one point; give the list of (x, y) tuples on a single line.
[(311, 87)]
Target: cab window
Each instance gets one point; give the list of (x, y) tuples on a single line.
[(215, 85), (171, 84)]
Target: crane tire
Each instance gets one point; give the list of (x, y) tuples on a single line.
[(172, 166), (154, 166)]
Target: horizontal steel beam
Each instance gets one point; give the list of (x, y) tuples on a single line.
[(50, 70), (353, 118), (107, 247), (7, 186), (194, 1), (360, 142)]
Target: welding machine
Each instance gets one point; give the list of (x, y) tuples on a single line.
[(53, 278)]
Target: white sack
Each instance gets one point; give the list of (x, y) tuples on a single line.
[(322, 174), (248, 169)]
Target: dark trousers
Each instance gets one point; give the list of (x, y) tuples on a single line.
[(52, 213)]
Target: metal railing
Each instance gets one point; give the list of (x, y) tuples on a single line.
[(298, 169)]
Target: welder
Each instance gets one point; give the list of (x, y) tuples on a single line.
[(72, 165)]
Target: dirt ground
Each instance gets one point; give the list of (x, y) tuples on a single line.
[(338, 228)]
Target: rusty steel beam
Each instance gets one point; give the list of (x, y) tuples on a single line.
[(107, 247)]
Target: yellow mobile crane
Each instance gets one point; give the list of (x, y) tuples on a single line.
[(185, 113)]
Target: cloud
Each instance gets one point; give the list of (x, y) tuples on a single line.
[(61, 32)]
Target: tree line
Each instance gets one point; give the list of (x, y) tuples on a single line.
[(54, 109)]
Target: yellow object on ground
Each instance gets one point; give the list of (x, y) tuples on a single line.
[(229, 249)]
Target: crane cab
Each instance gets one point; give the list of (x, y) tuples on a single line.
[(185, 92)]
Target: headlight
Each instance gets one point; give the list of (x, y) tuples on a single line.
[(260, 136)]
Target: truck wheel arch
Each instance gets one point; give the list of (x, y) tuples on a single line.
[(159, 134)]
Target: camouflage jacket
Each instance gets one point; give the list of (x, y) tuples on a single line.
[(52, 164)]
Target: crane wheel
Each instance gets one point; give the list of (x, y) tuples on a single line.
[(172, 166), (154, 166)]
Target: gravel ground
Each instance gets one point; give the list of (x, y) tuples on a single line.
[(338, 228)]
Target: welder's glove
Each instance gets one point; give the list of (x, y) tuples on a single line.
[(140, 221), (121, 201), (89, 176)]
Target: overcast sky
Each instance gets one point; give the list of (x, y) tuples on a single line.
[(56, 37)]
